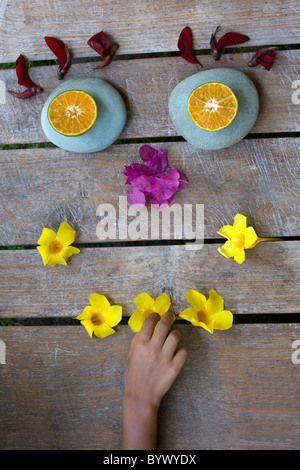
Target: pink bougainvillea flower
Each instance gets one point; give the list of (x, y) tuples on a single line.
[(185, 46), (207, 313), (145, 305), (55, 248), (99, 42), (62, 53), (100, 317), (24, 80), (265, 57), (153, 180), (229, 39)]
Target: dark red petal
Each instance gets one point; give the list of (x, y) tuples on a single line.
[(27, 93), (108, 56), (58, 48), (22, 72), (231, 39), (99, 42), (264, 56), (185, 46), (266, 60)]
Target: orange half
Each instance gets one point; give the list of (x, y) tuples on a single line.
[(72, 113), (212, 106)]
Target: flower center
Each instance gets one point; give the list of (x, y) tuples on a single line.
[(202, 315), (239, 241), (55, 246), (98, 318)]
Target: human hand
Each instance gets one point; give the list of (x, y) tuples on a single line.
[(153, 360), (153, 363)]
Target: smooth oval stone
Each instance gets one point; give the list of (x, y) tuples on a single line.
[(110, 122), (248, 107)]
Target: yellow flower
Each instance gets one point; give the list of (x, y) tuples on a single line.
[(99, 317), (239, 238), (208, 313), (54, 248), (145, 306)]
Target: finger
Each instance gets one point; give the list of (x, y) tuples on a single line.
[(162, 329), (171, 343), (179, 359), (148, 327)]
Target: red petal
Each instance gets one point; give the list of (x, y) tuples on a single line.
[(266, 60), (185, 46), (99, 42), (58, 49), (22, 72), (231, 39)]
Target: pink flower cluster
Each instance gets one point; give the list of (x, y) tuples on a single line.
[(152, 179)]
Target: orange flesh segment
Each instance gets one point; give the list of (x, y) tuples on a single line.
[(72, 113), (212, 106)]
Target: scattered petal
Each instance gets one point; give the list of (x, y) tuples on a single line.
[(62, 53), (185, 46), (24, 80), (265, 57), (99, 42), (228, 39)]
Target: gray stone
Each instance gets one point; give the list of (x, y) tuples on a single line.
[(248, 107), (110, 120)]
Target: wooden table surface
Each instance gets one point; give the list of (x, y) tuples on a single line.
[(239, 388)]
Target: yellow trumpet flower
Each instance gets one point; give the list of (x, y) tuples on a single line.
[(55, 247), (145, 306), (239, 238), (207, 313), (100, 317)]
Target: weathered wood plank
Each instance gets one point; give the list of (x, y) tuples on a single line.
[(267, 282), (42, 187), (238, 390), (146, 85), (141, 26)]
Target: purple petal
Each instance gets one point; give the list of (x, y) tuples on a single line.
[(143, 183), (163, 188), (156, 160), (135, 170), (136, 197), (182, 181)]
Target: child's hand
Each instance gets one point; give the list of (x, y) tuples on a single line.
[(153, 364), (153, 360)]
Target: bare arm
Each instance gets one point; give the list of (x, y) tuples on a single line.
[(153, 364)]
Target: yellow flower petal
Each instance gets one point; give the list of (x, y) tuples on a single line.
[(189, 314), (104, 330), (162, 304), (196, 299), (66, 234), (47, 236), (69, 251), (240, 222), (137, 319), (114, 315), (86, 314), (57, 259), (228, 249), (223, 320), (215, 302), (99, 302), (250, 237), (89, 326), (143, 301), (228, 231), (239, 256), (44, 252)]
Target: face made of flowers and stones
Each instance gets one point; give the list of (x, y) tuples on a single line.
[(145, 306)]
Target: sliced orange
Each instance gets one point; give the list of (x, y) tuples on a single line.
[(72, 113), (212, 106)]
